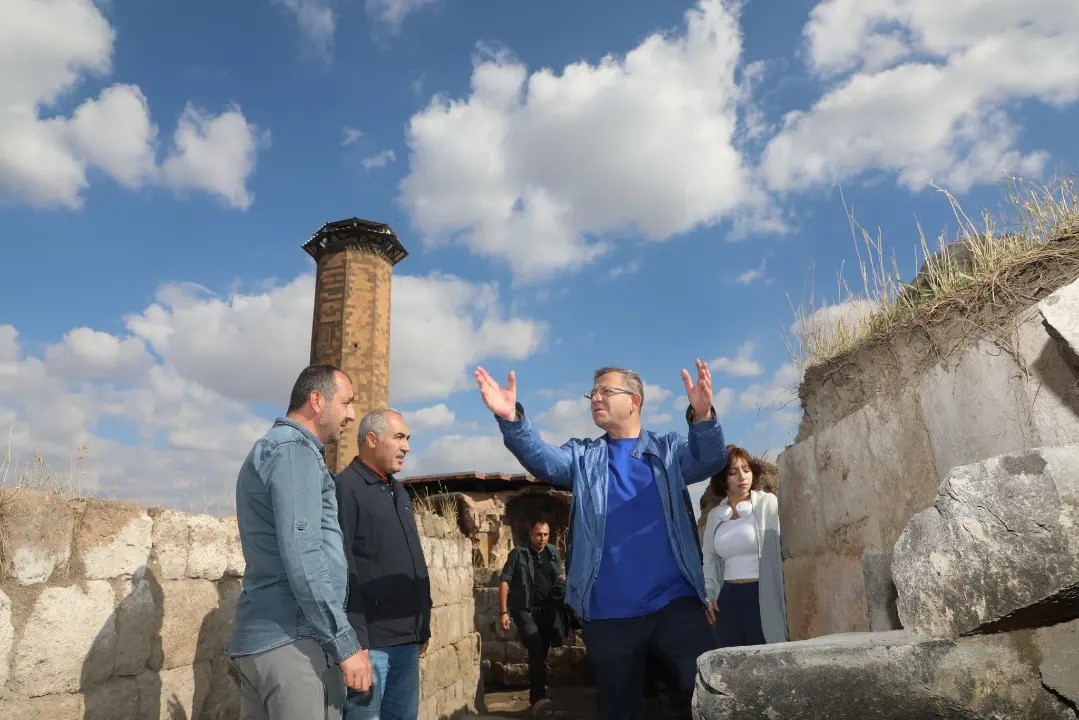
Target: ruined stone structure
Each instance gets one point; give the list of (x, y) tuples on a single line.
[(351, 324), (933, 487), (884, 426), (496, 512), (113, 611)]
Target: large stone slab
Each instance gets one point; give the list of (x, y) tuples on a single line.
[(1052, 383), (998, 550), (877, 676), (113, 539), (190, 611), (170, 543), (1061, 313), (37, 528), (826, 594), (974, 406), (68, 642), (208, 554), (1058, 649)]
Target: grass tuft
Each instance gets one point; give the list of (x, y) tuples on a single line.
[(986, 263)]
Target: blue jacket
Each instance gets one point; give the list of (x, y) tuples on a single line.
[(296, 578), (581, 466)]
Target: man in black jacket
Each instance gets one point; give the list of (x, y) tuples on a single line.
[(526, 589), (389, 592)]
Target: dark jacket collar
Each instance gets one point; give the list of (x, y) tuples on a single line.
[(367, 473)]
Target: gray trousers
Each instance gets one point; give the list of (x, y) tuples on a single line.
[(297, 681)]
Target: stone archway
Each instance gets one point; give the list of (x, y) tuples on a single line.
[(525, 507)]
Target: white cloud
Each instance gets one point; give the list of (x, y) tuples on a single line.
[(215, 154), (165, 413), (47, 50), (393, 12), (829, 320), (723, 400), (462, 453), (442, 326), (778, 394), (957, 68), (86, 354), (380, 160), (352, 135), (741, 365), (436, 417), (629, 268), (542, 170), (317, 24), (753, 274)]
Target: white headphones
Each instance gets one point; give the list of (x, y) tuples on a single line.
[(744, 508)]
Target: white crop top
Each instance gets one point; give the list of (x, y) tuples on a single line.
[(736, 542)]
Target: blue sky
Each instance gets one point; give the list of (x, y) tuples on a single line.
[(578, 184)]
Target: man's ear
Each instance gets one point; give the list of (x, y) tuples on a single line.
[(316, 400)]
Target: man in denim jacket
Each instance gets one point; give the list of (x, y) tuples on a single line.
[(293, 647), (634, 573)]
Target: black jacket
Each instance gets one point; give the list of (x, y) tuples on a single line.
[(518, 572), (389, 589)]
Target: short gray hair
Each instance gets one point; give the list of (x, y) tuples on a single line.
[(375, 421), (630, 378)]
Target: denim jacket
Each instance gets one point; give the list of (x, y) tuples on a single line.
[(296, 578), (581, 466)]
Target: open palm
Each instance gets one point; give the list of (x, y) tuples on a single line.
[(502, 401)]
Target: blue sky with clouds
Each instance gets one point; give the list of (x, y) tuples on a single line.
[(578, 184)]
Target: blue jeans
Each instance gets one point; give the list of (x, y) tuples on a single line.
[(395, 686)]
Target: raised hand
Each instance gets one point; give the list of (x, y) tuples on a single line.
[(502, 401), (699, 393)]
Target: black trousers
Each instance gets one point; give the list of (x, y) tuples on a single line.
[(738, 621), (618, 651), (536, 637)]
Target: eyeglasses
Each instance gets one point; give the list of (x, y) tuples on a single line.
[(606, 392)]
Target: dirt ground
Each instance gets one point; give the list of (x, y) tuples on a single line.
[(567, 703)]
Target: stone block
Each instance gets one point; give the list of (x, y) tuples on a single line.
[(876, 676), (801, 509), (825, 594), (176, 693), (514, 674), (223, 700), (138, 626), (7, 641), (50, 707), (188, 609), (975, 406), (235, 563), (38, 529), (880, 591), (208, 551), (1061, 313), (116, 700), (1058, 647), (170, 543), (1052, 384), (112, 539), (68, 642), (998, 550)]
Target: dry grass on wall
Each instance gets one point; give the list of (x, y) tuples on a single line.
[(1038, 238)]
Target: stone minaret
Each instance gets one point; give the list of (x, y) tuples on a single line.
[(351, 326)]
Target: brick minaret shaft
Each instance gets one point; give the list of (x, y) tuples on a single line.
[(351, 324)]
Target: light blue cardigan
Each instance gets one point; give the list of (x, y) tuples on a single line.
[(773, 603)]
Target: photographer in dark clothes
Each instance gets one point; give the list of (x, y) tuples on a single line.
[(531, 580)]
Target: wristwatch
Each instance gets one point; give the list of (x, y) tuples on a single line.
[(504, 612)]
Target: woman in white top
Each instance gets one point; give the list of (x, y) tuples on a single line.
[(743, 566)]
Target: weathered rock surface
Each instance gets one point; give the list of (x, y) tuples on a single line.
[(893, 675), (1061, 317), (113, 539), (37, 528), (997, 551)]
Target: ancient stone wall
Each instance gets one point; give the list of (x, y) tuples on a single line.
[(886, 424), (450, 682), (110, 610)]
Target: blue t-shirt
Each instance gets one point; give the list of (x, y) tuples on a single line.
[(638, 572)]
